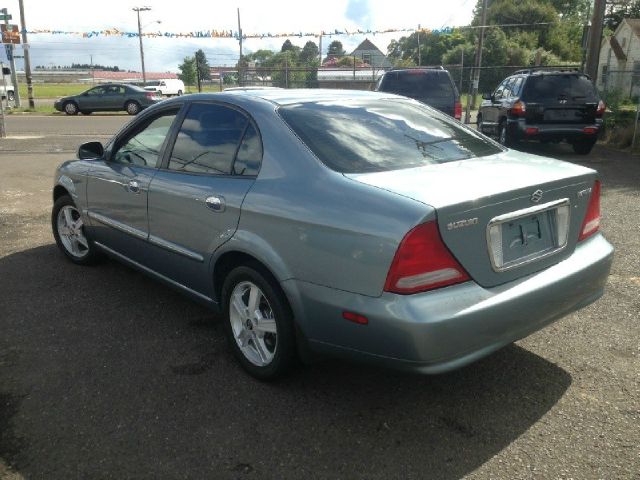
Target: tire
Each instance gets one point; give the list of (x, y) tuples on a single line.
[(68, 230), (132, 108), (11, 96), (503, 135), (264, 344), (70, 108), (479, 125), (179, 93), (583, 147)]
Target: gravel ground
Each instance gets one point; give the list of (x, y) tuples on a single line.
[(107, 374)]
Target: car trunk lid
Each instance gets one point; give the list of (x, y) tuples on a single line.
[(503, 216)]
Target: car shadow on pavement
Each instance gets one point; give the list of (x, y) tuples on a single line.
[(113, 375)]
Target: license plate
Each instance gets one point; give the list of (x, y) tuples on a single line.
[(561, 114), (528, 235)]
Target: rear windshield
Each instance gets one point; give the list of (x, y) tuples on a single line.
[(375, 135), (552, 87), (419, 84)]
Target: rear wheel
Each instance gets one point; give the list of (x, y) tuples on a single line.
[(479, 124), (258, 322), (179, 93), (70, 108), (504, 137), (132, 108), (583, 147), (11, 95)]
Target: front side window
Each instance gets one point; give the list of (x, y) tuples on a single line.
[(96, 91), (143, 148), (374, 135), (208, 140)]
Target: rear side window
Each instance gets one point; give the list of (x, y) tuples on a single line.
[(541, 88), (418, 84), (208, 140), (374, 135)]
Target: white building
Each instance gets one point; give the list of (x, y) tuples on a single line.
[(620, 59)]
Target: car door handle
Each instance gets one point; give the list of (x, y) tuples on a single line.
[(133, 186), (215, 203)]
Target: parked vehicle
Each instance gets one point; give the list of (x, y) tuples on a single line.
[(544, 105), (7, 90), (433, 86), (168, 87), (359, 224), (110, 97)]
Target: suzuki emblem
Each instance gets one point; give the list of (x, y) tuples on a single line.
[(536, 196)]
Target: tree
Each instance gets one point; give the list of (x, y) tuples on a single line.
[(287, 46), (188, 71), (202, 66), (309, 53), (432, 48), (616, 11), (335, 49)]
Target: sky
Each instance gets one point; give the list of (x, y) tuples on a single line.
[(257, 16)]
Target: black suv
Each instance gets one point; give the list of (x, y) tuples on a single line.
[(544, 105), (433, 86)]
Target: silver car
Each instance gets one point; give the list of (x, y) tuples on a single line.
[(358, 224)]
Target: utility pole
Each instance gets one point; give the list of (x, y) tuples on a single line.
[(240, 64), (12, 63), (320, 48), (27, 57), (138, 10), (471, 102), (419, 56), (595, 35), (3, 130)]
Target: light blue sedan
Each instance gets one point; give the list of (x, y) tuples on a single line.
[(358, 224)]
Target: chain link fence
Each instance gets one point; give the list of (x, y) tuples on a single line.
[(360, 77), (623, 83)]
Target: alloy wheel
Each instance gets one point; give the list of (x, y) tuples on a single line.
[(253, 323), (69, 225)]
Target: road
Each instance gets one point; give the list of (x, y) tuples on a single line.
[(106, 374)]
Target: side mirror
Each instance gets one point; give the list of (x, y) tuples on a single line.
[(90, 150), (486, 96)]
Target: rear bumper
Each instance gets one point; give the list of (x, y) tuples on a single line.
[(445, 329), (520, 130)]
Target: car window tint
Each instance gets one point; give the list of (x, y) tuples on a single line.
[(249, 154), (419, 84), (143, 148), (541, 88), (208, 140), (373, 135)]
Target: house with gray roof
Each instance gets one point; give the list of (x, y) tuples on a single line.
[(372, 55)]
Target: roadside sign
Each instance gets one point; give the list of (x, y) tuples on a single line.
[(5, 17), (10, 34)]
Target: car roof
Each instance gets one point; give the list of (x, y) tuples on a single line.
[(303, 95)]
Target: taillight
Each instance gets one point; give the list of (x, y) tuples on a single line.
[(457, 111), (591, 223), (423, 262), (601, 108), (519, 109)]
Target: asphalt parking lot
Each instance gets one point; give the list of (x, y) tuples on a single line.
[(106, 374)]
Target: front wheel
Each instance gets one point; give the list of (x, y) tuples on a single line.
[(68, 231), (583, 147), (258, 322), (70, 108), (179, 93), (11, 95), (132, 108)]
